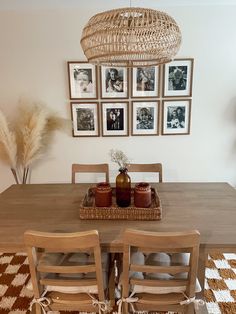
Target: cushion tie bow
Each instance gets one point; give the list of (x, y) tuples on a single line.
[(197, 302), (103, 306), (43, 303), (129, 300)]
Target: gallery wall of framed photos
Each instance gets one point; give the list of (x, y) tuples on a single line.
[(143, 101)]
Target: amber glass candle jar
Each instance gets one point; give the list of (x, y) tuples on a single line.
[(123, 188), (142, 195), (103, 195)]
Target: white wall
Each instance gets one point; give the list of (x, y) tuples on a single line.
[(35, 46)]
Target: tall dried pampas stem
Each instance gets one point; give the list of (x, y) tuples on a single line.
[(32, 126), (8, 147), (36, 126), (30, 138), (53, 123)]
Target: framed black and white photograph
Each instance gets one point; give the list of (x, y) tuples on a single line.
[(114, 82), (85, 119), (176, 116), (145, 118), (178, 76), (115, 119), (145, 82), (82, 80)]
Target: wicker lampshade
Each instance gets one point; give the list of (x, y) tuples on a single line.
[(131, 37)]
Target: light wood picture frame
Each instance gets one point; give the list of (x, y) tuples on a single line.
[(145, 82), (145, 117), (82, 80), (114, 82), (178, 77), (176, 117), (115, 118), (85, 119)]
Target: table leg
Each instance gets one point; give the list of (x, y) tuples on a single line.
[(203, 255)]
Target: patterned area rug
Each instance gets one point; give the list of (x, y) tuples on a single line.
[(220, 287), (220, 292)]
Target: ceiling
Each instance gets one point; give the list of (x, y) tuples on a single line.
[(59, 4)]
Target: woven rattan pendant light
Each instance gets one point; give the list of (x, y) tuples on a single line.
[(131, 37)]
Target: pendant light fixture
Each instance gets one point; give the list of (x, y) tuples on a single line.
[(131, 37)]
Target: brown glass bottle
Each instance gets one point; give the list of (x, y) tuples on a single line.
[(123, 188)]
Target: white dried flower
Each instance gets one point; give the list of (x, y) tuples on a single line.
[(119, 157)]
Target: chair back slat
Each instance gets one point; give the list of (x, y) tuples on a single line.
[(67, 269), (161, 240), (60, 242), (90, 168), (157, 167), (159, 269)]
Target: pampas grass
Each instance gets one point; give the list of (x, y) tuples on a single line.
[(8, 146), (31, 129), (36, 127), (32, 136)]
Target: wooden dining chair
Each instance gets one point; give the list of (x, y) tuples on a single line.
[(90, 168), (68, 271), (147, 168), (159, 285)]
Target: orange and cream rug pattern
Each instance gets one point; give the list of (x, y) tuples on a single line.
[(220, 287)]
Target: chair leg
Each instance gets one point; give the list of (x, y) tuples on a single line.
[(201, 310), (111, 280), (125, 308), (190, 309), (36, 309)]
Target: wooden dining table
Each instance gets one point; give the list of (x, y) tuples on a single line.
[(207, 207)]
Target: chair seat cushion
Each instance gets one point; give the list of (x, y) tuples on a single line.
[(74, 289), (164, 290), (157, 290)]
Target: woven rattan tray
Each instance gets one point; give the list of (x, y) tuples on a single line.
[(88, 210)]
